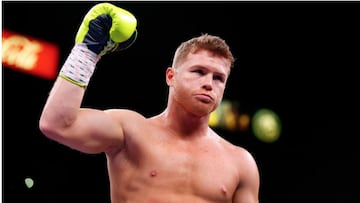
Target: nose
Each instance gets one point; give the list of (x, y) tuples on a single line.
[(208, 82)]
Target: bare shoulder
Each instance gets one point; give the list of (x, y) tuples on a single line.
[(133, 123), (247, 173), (130, 121), (124, 115), (240, 155), (245, 164)]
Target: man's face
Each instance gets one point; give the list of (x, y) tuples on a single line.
[(198, 83)]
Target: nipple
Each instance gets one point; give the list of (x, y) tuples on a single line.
[(153, 173), (223, 190)]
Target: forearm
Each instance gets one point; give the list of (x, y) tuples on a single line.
[(62, 107), (63, 104)]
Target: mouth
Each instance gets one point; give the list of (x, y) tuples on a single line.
[(204, 98)]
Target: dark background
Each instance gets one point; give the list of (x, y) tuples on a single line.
[(300, 59)]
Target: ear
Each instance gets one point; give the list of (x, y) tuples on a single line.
[(170, 76)]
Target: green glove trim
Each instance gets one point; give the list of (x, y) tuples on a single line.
[(73, 81)]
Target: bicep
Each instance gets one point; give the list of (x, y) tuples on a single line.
[(248, 188), (94, 131)]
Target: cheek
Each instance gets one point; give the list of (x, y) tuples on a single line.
[(184, 84), (181, 89), (220, 91)]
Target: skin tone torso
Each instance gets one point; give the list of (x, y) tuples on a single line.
[(161, 166), (173, 157)]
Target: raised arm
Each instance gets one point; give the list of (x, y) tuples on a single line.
[(105, 28)]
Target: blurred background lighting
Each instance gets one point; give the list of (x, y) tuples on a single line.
[(29, 182), (266, 125)]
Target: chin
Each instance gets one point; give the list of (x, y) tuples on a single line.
[(201, 111)]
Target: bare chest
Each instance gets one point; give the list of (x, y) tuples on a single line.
[(202, 168)]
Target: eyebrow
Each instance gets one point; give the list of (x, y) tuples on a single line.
[(224, 75)]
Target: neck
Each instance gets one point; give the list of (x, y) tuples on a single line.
[(184, 123)]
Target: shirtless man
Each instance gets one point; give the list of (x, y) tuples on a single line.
[(173, 157)]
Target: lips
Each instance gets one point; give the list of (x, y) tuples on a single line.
[(204, 98)]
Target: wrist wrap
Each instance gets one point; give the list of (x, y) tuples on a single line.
[(80, 65)]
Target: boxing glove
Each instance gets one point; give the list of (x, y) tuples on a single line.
[(104, 29), (107, 28)]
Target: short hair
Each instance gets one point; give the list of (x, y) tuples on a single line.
[(212, 43)]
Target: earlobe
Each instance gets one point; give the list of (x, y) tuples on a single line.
[(169, 75)]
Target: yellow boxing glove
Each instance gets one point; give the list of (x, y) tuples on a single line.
[(104, 29), (107, 28)]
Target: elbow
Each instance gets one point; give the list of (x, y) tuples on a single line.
[(46, 127), (49, 128)]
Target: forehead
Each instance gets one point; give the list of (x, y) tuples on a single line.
[(207, 59)]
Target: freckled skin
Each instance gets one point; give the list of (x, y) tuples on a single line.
[(177, 163), (167, 167), (173, 157)]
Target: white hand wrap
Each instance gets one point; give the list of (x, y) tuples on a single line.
[(79, 66)]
